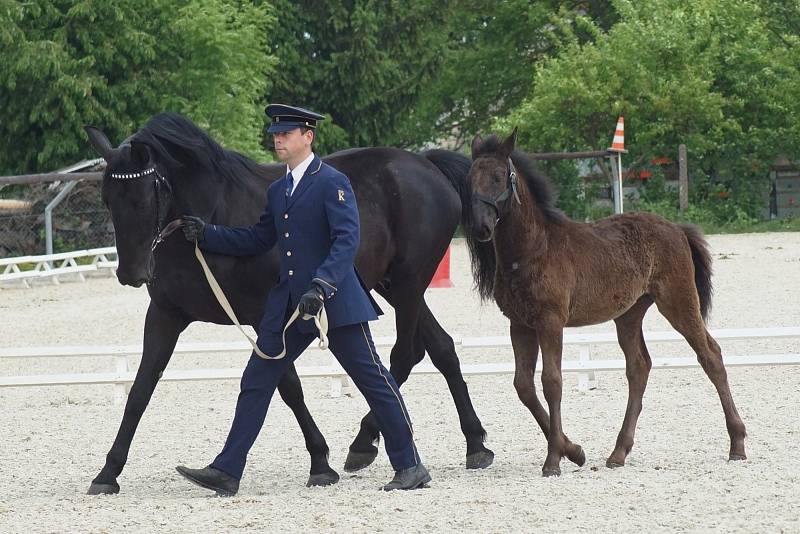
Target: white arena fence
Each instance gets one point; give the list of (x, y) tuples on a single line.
[(122, 377), (24, 269)]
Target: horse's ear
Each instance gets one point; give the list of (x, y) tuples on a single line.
[(99, 141), (141, 154), (476, 144), (510, 143)]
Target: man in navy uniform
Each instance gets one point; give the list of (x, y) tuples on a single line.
[(311, 215)]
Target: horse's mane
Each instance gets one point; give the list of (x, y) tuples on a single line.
[(539, 184), (181, 143)]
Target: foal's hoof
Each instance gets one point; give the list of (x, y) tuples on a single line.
[(480, 460), (613, 465), (327, 478), (736, 457), (358, 460), (577, 457), (551, 471), (103, 489)]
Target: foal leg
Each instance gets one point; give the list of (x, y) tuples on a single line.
[(291, 392), (161, 330), (682, 310), (406, 353), (526, 353), (551, 340), (637, 370)]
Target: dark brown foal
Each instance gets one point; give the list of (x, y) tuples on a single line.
[(549, 272)]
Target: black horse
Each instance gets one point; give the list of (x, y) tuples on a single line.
[(409, 208)]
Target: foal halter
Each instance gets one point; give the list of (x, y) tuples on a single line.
[(500, 203), (161, 185)]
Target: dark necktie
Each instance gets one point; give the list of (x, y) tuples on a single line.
[(289, 184)]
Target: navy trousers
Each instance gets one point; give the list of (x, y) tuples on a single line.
[(353, 347)]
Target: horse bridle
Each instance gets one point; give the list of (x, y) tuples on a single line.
[(162, 186), (500, 203)]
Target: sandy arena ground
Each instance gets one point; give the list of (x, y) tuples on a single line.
[(54, 439)]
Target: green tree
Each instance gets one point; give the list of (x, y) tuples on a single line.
[(66, 63), (363, 63), (488, 63), (717, 75)]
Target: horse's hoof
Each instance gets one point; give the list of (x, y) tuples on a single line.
[(613, 465), (356, 461), (103, 489), (578, 458), (551, 472), (327, 478), (480, 460), (737, 457)]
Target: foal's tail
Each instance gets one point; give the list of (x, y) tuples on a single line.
[(701, 257)]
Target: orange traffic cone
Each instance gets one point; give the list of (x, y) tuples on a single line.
[(618, 143), (441, 278)]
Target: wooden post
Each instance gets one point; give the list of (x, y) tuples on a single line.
[(683, 178)]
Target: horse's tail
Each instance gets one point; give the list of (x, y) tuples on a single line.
[(701, 257), (455, 166)]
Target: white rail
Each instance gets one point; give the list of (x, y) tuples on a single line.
[(122, 377), (24, 269)]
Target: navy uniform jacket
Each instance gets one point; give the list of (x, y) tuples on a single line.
[(317, 233)]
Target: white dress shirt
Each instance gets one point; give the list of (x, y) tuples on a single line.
[(299, 171)]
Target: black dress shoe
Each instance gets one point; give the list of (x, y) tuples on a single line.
[(211, 478), (409, 479)]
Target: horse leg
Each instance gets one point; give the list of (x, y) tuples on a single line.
[(682, 310), (442, 351), (291, 392), (637, 370), (551, 341), (526, 352), (161, 331), (406, 353)]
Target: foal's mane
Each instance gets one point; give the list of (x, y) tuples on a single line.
[(179, 142), (482, 255)]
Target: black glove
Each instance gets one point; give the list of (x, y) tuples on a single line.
[(193, 228), (311, 301)]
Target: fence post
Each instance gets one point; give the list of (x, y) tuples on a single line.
[(48, 215), (616, 183), (683, 178), (586, 379), (121, 388)]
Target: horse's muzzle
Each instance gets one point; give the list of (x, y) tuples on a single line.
[(484, 233), (138, 276), (132, 281)]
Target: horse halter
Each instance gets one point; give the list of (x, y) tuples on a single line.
[(161, 184), (500, 203)]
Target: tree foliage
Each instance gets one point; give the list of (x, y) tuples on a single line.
[(489, 60), (720, 76), (362, 62), (67, 63)]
